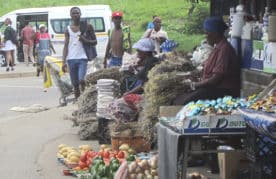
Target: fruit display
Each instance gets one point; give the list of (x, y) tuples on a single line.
[(86, 163), (137, 169), (70, 155)]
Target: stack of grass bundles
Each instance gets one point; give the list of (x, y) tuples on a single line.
[(87, 103), (161, 89), (106, 73)]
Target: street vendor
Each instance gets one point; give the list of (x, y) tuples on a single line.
[(221, 72), (145, 48)]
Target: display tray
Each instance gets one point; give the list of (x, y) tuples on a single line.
[(207, 124), (262, 122)]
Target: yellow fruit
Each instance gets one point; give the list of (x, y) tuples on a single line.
[(63, 150), (131, 151), (124, 147), (103, 146), (74, 159), (108, 149), (59, 155), (60, 146)]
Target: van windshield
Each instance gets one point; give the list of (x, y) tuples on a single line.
[(59, 25)]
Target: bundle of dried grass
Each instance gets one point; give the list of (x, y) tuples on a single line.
[(106, 73), (87, 104), (161, 89)]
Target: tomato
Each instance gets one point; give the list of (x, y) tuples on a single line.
[(77, 168), (88, 162), (90, 153), (86, 153), (106, 154), (106, 161), (115, 152), (100, 153), (85, 168), (83, 158), (121, 154), (82, 164)]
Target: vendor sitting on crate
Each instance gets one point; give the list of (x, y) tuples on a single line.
[(221, 72), (145, 48)]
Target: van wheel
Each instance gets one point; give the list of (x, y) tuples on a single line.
[(2, 60)]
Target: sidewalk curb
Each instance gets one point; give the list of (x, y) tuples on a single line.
[(17, 75)]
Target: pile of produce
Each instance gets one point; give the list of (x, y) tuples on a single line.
[(161, 89), (88, 164), (267, 104), (146, 168)]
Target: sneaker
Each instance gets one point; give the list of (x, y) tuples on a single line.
[(7, 69)]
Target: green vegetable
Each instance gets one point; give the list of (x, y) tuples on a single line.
[(114, 160), (101, 171), (114, 167), (130, 158)]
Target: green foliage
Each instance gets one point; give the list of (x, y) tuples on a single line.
[(137, 13)]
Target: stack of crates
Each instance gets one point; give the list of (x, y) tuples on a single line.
[(261, 152)]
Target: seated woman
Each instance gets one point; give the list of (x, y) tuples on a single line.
[(221, 72), (128, 106), (145, 48)]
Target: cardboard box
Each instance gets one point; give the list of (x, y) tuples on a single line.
[(230, 163)]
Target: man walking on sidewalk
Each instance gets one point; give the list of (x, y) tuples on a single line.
[(73, 53), (28, 37)]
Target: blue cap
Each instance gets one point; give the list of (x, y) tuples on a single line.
[(214, 24)]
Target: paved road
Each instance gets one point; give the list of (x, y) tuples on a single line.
[(28, 141), (24, 92)]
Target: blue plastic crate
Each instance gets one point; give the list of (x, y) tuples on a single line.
[(257, 64)]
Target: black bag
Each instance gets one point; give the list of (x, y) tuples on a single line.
[(90, 51), (13, 36)]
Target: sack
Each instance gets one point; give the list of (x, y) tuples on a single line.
[(90, 51)]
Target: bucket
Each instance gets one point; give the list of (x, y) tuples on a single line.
[(272, 27), (238, 22)]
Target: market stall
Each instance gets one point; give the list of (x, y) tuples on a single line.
[(199, 128)]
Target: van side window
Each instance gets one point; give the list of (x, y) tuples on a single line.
[(59, 25), (98, 23)]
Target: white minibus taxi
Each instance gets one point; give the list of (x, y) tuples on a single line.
[(57, 19)]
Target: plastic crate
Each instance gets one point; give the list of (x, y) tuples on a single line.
[(257, 64), (261, 151)]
